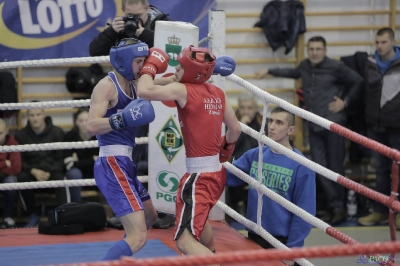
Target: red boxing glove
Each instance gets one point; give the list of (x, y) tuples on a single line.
[(155, 63), (225, 150)]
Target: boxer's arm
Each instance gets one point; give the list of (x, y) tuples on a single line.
[(230, 120), (103, 93), (147, 89)]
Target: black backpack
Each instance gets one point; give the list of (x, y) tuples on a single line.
[(74, 218), (83, 79)]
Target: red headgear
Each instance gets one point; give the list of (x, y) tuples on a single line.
[(196, 70)]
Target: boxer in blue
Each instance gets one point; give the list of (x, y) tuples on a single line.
[(115, 112)]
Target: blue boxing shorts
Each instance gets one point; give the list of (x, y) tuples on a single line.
[(116, 177)]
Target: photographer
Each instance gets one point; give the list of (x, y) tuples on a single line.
[(138, 22)]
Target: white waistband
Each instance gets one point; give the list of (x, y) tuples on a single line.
[(116, 150), (203, 164)]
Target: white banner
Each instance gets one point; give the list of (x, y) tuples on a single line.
[(166, 147)]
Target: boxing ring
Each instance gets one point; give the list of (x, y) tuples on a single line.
[(232, 247)]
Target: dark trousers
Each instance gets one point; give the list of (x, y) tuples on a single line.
[(29, 194), (328, 150), (265, 244), (10, 197), (383, 164)]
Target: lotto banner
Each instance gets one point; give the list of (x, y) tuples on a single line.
[(44, 29), (166, 145)]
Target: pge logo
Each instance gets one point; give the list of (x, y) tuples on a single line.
[(167, 181)]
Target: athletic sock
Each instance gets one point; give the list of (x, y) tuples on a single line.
[(121, 248)]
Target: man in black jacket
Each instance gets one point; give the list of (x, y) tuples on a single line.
[(382, 115), (325, 82), (148, 14), (40, 165)]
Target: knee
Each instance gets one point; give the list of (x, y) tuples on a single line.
[(74, 173)]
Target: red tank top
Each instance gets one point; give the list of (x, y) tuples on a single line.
[(201, 119)]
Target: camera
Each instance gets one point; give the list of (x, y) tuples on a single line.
[(131, 24)]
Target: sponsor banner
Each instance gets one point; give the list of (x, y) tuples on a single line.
[(166, 145), (44, 29)]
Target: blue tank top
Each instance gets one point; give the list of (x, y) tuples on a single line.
[(124, 136)]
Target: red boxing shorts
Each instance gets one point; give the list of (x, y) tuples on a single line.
[(197, 194)]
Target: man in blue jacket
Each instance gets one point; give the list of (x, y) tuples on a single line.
[(284, 176)]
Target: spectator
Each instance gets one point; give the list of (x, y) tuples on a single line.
[(382, 115), (148, 14), (79, 162), (248, 114), (10, 167), (325, 82), (40, 165), (296, 184)]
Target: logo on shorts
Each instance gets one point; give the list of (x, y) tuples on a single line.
[(167, 181), (170, 139)]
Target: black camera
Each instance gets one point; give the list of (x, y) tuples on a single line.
[(131, 24)]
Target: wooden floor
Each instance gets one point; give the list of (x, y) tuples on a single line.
[(225, 237)]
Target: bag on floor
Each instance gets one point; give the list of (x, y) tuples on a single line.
[(74, 218)]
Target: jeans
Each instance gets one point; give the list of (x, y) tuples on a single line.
[(328, 150), (383, 165), (75, 192), (10, 197)]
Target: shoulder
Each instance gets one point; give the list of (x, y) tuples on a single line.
[(105, 88)]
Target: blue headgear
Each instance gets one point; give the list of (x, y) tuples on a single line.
[(122, 55)]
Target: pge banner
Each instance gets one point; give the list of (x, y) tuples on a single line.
[(44, 29)]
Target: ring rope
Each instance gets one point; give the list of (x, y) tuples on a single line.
[(56, 183), (55, 62), (394, 154), (324, 171), (374, 145), (43, 105), (256, 255), (61, 145), (259, 230)]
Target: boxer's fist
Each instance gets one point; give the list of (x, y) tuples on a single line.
[(224, 65), (225, 150), (155, 63), (138, 112)]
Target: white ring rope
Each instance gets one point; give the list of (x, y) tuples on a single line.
[(43, 105), (56, 183), (291, 154), (284, 104), (278, 198), (55, 62), (259, 230), (61, 145)]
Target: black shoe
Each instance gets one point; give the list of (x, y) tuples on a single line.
[(114, 222), (338, 217), (164, 222)]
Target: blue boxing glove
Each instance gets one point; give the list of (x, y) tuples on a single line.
[(138, 112), (224, 65)]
